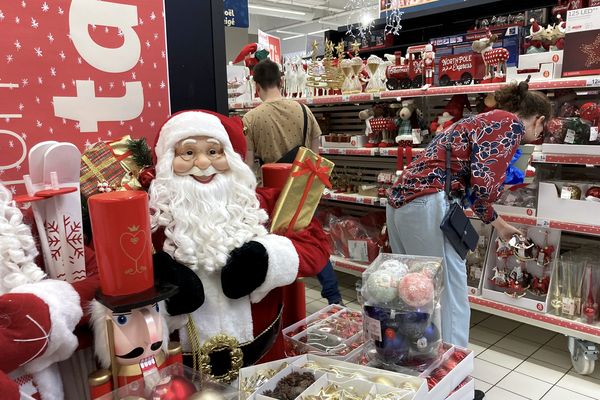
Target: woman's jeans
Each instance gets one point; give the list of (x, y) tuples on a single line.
[(414, 229)]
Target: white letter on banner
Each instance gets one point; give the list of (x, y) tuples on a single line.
[(86, 12), (88, 109)]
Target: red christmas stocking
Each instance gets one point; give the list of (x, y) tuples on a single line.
[(408, 152), (399, 159)]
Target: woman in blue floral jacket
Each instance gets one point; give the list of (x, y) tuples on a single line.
[(482, 148)]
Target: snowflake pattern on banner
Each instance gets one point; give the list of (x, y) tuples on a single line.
[(39, 61)]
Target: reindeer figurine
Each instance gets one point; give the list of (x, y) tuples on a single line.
[(494, 59)]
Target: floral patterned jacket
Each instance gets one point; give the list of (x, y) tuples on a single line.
[(482, 148)]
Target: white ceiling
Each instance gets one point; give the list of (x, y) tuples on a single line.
[(304, 16)]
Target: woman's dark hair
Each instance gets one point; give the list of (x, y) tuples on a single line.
[(266, 73), (518, 99)]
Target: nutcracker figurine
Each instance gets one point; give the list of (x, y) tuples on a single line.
[(130, 331), (428, 65)]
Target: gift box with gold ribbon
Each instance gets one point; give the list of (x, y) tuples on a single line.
[(302, 192), (108, 166)]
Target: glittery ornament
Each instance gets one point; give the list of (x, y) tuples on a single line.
[(427, 345), (399, 268), (416, 289), (146, 176), (414, 324), (173, 388), (207, 395), (382, 286), (393, 346)]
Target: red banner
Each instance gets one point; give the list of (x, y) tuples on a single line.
[(78, 71), (271, 43)]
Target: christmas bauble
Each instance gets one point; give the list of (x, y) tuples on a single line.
[(426, 345), (567, 110), (590, 112), (555, 132), (416, 289), (397, 267), (146, 176), (382, 286), (393, 346), (173, 388), (414, 324), (593, 192)]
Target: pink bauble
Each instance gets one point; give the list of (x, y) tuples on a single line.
[(416, 289)]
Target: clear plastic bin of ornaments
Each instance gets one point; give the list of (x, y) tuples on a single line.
[(400, 296), (175, 381)]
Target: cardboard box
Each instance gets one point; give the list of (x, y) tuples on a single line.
[(465, 392), (552, 207), (582, 42), (548, 66), (527, 299)]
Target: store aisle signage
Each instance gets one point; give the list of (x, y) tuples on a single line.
[(236, 13), (78, 71), (271, 43)]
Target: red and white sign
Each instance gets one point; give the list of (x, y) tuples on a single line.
[(78, 71), (271, 43)]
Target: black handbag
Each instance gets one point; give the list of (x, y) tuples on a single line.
[(290, 156), (456, 226)]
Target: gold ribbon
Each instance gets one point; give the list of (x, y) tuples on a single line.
[(95, 170)]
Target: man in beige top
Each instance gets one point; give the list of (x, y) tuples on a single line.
[(276, 126)]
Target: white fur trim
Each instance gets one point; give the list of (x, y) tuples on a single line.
[(49, 383), (65, 313), (187, 124), (283, 265)]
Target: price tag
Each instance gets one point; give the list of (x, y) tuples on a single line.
[(593, 81), (357, 250), (478, 272), (383, 201), (384, 152), (570, 138), (373, 328), (568, 306), (376, 95), (309, 100), (360, 199), (342, 151), (544, 223), (593, 133), (345, 98)]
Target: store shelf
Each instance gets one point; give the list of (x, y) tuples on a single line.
[(348, 266), (546, 321), (574, 159), (393, 151), (349, 151), (563, 83), (354, 198)]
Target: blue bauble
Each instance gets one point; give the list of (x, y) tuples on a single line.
[(414, 324), (426, 345), (394, 348)]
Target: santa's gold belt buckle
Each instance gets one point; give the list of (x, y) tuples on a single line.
[(217, 343)]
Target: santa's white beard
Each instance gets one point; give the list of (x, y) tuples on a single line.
[(17, 247), (204, 222)]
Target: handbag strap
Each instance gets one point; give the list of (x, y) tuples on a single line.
[(305, 124), (448, 183)]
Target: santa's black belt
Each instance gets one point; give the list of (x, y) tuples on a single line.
[(224, 357)]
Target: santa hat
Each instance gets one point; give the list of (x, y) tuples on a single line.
[(247, 50), (229, 131), (535, 27)]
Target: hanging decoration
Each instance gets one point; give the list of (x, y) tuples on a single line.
[(393, 22), (359, 11)]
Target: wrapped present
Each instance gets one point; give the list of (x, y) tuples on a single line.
[(108, 166), (302, 192)]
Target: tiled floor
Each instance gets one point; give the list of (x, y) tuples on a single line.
[(513, 361)]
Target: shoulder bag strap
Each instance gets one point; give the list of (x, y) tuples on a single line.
[(448, 184), (305, 125)]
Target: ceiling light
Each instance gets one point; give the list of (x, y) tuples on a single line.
[(315, 32), (275, 9), (294, 37)]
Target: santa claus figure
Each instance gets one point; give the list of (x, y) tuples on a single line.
[(453, 112), (209, 217), (37, 315)]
